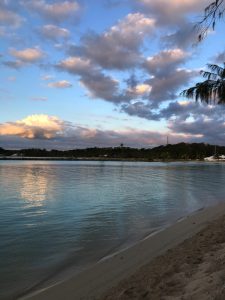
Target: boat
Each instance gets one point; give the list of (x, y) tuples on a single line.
[(215, 158)]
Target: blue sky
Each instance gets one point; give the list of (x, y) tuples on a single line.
[(104, 72)]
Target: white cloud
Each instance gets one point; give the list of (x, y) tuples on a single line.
[(27, 55), (76, 65), (173, 11), (58, 11), (53, 32), (34, 126), (119, 47), (165, 60), (140, 89), (62, 84)]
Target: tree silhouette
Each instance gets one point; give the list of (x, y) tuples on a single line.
[(213, 12), (212, 90)]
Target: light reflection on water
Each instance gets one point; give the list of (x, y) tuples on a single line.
[(60, 215), (34, 186)]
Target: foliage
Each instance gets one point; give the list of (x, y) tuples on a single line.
[(181, 151), (213, 12), (212, 90)]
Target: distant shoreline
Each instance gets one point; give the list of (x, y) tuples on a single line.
[(96, 159), (169, 152)]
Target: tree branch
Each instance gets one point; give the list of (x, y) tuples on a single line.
[(213, 12)]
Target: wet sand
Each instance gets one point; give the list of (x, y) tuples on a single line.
[(184, 261), (193, 270)]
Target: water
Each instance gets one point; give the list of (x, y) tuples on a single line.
[(57, 217)]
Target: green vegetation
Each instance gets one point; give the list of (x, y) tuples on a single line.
[(181, 151)]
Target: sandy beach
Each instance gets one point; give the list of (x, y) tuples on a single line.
[(183, 261), (195, 270)]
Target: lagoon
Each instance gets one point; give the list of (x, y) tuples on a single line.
[(57, 218)]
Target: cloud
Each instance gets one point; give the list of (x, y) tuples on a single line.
[(129, 137), (28, 55), (166, 76), (165, 61), (173, 12), (165, 87), (178, 111), (76, 66), (51, 128), (93, 79), (8, 17), (13, 64), (210, 131), (47, 77), (54, 33), (141, 89), (119, 47), (184, 37), (83, 137), (204, 122), (33, 127), (187, 120), (199, 123), (23, 57), (51, 132), (62, 84), (181, 111), (58, 11), (141, 110), (173, 18)]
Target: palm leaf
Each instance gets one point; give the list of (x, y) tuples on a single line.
[(209, 75), (211, 90), (217, 69)]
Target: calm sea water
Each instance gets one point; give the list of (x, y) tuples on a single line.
[(57, 217)]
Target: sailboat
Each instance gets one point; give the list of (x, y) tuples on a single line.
[(215, 157)]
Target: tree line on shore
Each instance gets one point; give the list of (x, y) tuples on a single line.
[(182, 151)]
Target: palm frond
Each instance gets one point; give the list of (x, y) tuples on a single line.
[(213, 12), (209, 75), (217, 69), (208, 91), (211, 90)]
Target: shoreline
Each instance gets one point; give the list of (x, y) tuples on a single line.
[(94, 159), (95, 281)]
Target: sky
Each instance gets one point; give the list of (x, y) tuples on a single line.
[(86, 73)]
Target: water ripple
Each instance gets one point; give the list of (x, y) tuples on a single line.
[(60, 215)]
